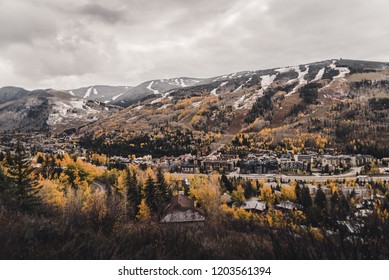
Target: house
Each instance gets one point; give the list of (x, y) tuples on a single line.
[(181, 209), (288, 205), (253, 204)]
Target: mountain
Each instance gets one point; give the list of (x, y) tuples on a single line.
[(341, 100), (101, 93), (153, 88), (47, 110)]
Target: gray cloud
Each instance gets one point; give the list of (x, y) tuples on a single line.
[(102, 13), (71, 43)]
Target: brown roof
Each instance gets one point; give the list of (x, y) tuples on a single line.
[(181, 202)]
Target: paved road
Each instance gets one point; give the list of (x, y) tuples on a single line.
[(317, 178), (98, 186)]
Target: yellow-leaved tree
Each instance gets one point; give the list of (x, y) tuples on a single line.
[(267, 195), (206, 192), (144, 211)]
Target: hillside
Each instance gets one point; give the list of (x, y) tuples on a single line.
[(343, 101), (101, 93), (47, 110)]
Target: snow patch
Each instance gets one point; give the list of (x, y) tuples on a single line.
[(153, 90), (74, 109), (267, 80), (88, 92), (300, 79), (240, 102), (213, 92), (71, 92), (197, 104), (343, 71), (117, 96), (138, 107), (95, 91), (223, 84), (319, 75), (157, 100), (182, 83), (238, 88), (164, 106)]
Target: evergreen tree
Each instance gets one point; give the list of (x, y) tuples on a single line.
[(133, 193), (297, 190), (163, 189), (249, 191), (23, 187), (4, 187), (150, 194), (334, 202), (320, 198), (306, 199), (226, 183)]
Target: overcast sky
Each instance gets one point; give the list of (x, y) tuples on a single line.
[(66, 44)]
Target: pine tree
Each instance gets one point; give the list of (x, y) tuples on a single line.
[(306, 199), (226, 183), (297, 190), (163, 189), (23, 188), (320, 198), (133, 193), (4, 187), (150, 194)]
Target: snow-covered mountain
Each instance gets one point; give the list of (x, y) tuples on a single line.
[(101, 93), (47, 110), (152, 88)]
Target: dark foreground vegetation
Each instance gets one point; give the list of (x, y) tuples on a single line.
[(33, 237)]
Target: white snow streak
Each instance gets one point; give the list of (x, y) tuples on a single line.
[(88, 92), (153, 90), (238, 88), (301, 80), (197, 104), (164, 106), (319, 75), (117, 96), (267, 80)]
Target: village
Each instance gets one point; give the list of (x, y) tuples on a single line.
[(275, 170)]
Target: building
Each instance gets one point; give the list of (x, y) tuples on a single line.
[(305, 158), (258, 166), (181, 209), (291, 165), (217, 165), (254, 205), (287, 205)]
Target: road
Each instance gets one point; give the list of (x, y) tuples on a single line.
[(98, 186), (315, 177)]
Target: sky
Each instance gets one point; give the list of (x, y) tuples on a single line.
[(66, 44)]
